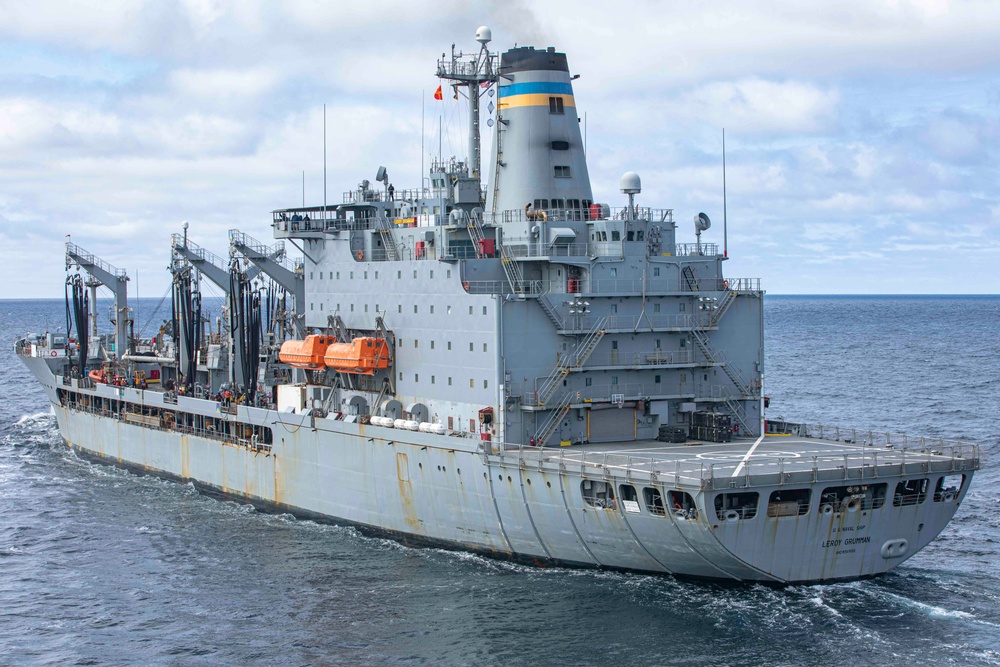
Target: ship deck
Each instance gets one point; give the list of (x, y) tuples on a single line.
[(807, 454)]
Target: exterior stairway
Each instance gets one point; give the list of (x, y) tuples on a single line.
[(388, 241), (573, 361), (552, 423)]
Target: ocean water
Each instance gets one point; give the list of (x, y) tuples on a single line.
[(103, 567)]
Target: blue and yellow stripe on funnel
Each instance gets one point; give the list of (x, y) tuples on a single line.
[(535, 94)]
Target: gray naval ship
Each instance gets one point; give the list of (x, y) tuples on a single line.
[(498, 364)]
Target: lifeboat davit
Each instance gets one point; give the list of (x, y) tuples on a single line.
[(306, 354), (362, 356)]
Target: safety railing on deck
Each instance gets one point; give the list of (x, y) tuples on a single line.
[(80, 254), (864, 464)]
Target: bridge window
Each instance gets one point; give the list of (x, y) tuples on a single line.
[(736, 506), (562, 171), (788, 502), (598, 494), (556, 105), (560, 145)]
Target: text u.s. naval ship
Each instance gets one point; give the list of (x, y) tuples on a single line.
[(502, 365)]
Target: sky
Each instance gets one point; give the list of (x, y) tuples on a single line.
[(861, 136)]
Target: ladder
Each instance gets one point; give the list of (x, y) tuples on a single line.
[(388, 241), (734, 374), (722, 307), (690, 279), (552, 423), (574, 361), (741, 414)]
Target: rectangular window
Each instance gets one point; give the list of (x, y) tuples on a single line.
[(366, 275), (562, 171), (399, 275), (432, 345), (614, 379), (470, 310), (614, 308), (656, 307), (472, 425), (614, 272), (321, 275), (682, 307), (447, 274), (451, 423), (432, 379), (472, 383), (448, 310), (415, 309), (470, 347), (588, 381), (414, 275), (416, 377), (484, 347), (416, 343), (486, 384), (376, 275), (449, 345), (432, 275), (656, 270), (400, 309), (449, 381), (310, 275), (338, 275), (485, 311), (366, 307), (556, 105)]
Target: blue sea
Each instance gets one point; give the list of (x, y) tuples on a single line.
[(102, 567)]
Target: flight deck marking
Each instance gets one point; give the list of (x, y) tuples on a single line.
[(746, 458)]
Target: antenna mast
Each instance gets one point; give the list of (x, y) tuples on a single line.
[(725, 229), (472, 73)]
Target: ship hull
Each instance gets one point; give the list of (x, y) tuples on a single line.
[(427, 489)]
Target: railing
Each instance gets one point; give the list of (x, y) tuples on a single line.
[(598, 393), (654, 358), (276, 253), (696, 249), (79, 254), (523, 248), (580, 214), (178, 241), (810, 466), (682, 322)]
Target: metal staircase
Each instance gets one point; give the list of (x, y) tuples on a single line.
[(549, 310), (690, 279), (510, 268), (388, 240), (722, 307), (552, 423), (574, 361), (734, 374)]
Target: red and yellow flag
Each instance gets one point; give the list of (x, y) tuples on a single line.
[(438, 95)]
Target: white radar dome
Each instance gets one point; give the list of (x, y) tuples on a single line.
[(484, 35), (631, 184)]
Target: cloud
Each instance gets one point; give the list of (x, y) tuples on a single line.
[(859, 134)]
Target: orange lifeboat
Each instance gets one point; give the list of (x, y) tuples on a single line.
[(307, 354), (362, 356)]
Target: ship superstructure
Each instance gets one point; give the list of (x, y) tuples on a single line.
[(495, 361)]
